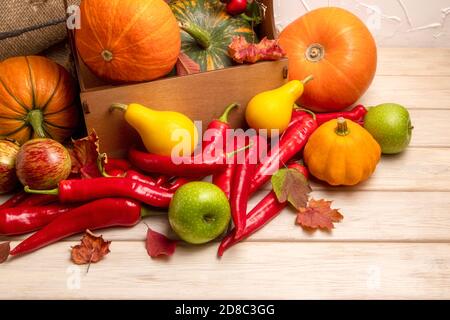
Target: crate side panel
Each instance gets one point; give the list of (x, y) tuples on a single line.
[(201, 96)]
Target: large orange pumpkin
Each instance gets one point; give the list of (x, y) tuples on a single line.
[(128, 40), (335, 47), (36, 100)]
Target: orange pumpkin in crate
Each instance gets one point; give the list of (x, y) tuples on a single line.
[(335, 47), (36, 100), (128, 40)]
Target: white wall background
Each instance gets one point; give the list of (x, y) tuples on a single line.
[(394, 23)]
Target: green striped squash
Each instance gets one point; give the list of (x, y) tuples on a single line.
[(208, 31)]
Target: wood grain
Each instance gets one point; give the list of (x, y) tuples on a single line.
[(414, 61), (414, 92), (369, 216), (431, 128), (255, 271)]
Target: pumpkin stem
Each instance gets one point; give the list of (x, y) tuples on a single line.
[(35, 118), (202, 37), (342, 128), (119, 106), (315, 52), (224, 117), (107, 55)]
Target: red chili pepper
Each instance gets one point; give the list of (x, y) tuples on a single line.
[(240, 191), (21, 220), (163, 182), (36, 200), (291, 143), (15, 200), (223, 179), (217, 129), (85, 190), (103, 213), (267, 209), (356, 114), (202, 164), (118, 164), (114, 173)]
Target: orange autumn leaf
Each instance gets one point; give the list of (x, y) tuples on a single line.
[(318, 215), (84, 153), (185, 65), (4, 251), (91, 250), (243, 52)]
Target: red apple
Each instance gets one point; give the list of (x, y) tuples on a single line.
[(235, 7), (42, 164), (8, 178)]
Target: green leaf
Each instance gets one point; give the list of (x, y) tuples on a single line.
[(292, 186), (255, 12)]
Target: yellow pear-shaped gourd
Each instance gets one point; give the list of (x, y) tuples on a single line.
[(164, 133), (341, 152), (272, 110)]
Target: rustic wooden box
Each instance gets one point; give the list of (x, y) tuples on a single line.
[(201, 96)]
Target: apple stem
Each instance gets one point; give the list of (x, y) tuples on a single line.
[(53, 192)]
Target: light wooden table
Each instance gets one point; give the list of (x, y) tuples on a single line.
[(394, 241)]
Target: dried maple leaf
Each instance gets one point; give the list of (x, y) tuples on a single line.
[(158, 244), (290, 185), (84, 154), (318, 215), (185, 65), (91, 250), (243, 52), (4, 251)]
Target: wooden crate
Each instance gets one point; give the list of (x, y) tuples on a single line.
[(200, 96)]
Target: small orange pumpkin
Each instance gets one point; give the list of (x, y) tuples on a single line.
[(128, 40), (341, 152), (37, 100), (334, 46)]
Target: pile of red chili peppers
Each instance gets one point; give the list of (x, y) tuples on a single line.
[(117, 198)]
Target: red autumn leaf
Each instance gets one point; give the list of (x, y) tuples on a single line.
[(291, 185), (4, 251), (318, 215), (243, 52), (185, 65), (158, 244), (91, 250), (84, 154)]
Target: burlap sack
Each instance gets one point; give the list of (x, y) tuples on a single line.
[(31, 26)]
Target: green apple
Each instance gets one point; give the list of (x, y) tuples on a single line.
[(199, 212), (390, 125)]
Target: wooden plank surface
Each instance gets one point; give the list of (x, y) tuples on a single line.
[(261, 270), (414, 92), (414, 61), (369, 216), (394, 241)]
